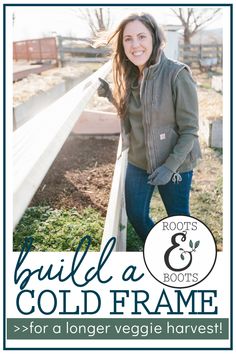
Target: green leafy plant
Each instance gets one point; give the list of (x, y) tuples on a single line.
[(58, 230), (134, 242)]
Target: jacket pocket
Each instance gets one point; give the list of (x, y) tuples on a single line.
[(166, 140)]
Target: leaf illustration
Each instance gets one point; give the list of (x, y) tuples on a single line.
[(181, 249), (191, 243), (197, 243), (182, 256)]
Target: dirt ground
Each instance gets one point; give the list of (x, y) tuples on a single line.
[(80, 176)]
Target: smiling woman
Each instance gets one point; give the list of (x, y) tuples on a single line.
[(157, 103), (137, 42)]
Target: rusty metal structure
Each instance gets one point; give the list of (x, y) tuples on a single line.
[(41, 54)]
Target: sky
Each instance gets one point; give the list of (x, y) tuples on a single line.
[(35, 22)]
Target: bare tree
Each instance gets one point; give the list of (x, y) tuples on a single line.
[(194, 20), (98, 19)]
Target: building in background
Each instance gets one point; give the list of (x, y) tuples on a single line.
[(173, 37)]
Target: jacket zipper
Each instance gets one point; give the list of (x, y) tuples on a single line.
[(147, 141)]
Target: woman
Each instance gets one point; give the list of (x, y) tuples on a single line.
[(157, 102)]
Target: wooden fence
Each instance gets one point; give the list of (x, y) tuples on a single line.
[(206, 55), (38, 141)]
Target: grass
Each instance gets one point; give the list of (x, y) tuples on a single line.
[(206, 85), (207, 206), (134, 242), (58, 230)]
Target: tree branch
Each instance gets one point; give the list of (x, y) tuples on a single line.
[(192, 20)]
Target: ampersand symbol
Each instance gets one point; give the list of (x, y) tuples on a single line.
[(175, 245)]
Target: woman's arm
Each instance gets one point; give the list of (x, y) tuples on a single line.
[(186, 110)]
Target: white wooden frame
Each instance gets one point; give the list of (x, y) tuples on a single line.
[(37, 143), (116, 218)]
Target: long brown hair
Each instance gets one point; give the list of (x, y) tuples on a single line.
[(123, 68)]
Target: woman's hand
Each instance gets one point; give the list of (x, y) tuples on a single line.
[(104, 89), (162, 175)]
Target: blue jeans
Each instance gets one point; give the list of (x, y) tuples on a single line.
[(138, 194)]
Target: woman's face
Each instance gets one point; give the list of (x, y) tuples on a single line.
[(137, 42)]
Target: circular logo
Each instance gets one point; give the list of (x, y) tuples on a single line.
[(180, 251)]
